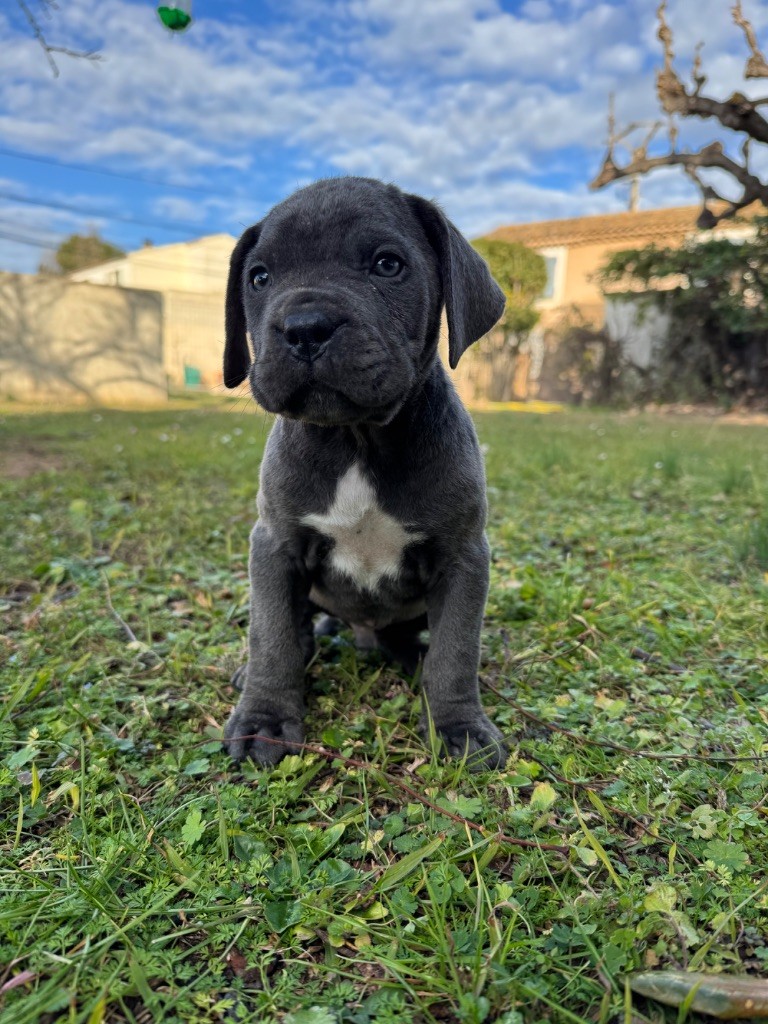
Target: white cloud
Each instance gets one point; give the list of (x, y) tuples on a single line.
[(537, 10), (183, 208), (499, 115)]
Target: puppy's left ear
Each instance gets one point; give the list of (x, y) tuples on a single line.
[(237, 358), (473, 300)]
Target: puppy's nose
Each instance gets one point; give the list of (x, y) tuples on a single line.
[(307, 331)]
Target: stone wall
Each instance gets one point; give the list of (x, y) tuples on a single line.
[(67, 342)]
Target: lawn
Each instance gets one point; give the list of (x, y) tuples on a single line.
[(625, 656)]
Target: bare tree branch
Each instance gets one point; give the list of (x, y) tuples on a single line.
[(711, 156), (757, 66), (698, 76), (738, 113), (614, 136), (48, 50)]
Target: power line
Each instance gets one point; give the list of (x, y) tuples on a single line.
[(29, 229), (192, 261), (9, 236), (200, 268), (203, 271), (109, 173), (168, 225), (197, 261)]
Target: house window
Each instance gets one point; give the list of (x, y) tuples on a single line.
[(549, 287), (554, 261)]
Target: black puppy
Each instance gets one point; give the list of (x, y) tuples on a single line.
[(372, 500)]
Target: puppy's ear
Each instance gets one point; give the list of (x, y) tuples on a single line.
[(473, 300), (237, 358)]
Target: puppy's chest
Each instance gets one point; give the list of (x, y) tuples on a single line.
[(367, 542)]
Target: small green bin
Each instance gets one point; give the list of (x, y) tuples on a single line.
[(192, 377)]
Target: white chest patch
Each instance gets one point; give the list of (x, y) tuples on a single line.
[(368, 542)]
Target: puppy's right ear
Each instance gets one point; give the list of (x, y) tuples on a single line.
[(473, 300), (237, 358)]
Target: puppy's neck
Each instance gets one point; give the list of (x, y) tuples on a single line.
[(422, 415)]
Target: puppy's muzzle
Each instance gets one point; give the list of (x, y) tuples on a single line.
[(308, 331)]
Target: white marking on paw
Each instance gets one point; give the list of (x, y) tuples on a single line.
[(368, 542)]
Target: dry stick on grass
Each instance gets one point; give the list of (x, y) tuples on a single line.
[(609, 745), (150, 657), (132, 638), (611, 808), (351, 762)]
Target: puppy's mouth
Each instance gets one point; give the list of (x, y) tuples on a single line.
[(324, 406)]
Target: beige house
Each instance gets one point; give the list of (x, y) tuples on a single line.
[(197, 266), (575, 249), (192, 278)]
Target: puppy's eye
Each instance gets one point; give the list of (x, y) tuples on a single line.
[(387, 265), (259, 277)]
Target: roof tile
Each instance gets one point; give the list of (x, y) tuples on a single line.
[(645, 225)]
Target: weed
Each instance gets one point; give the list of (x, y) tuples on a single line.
[(752, 548), (669, 465), (146, 878), (736, 479)]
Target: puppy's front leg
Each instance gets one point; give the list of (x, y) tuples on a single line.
[(455, 612), (272, 702)]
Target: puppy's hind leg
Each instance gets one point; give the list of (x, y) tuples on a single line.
[(307, 633), (238, 677), (401, 642), (328, 625), (365, 638)]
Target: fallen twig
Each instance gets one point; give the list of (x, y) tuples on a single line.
[(610, 745), (132, 638), (649, 658), (351, 762), (147, 656)]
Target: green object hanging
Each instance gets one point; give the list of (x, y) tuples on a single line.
[(174, 18)]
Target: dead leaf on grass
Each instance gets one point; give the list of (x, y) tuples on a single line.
[(720, 995)]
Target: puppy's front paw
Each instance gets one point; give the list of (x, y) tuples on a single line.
[(478, 740), (264, 736)]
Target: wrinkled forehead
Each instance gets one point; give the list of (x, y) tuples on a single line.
[(340, 221)]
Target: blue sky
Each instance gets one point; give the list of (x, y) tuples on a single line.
[(496, 109)]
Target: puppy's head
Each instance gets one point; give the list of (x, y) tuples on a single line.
[(340, 288)]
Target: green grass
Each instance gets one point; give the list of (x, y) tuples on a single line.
[(143, 879)]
